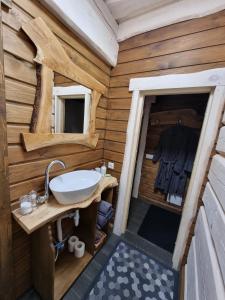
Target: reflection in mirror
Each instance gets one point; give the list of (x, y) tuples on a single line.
[(71, 109)]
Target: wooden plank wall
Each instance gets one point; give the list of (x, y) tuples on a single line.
[(188, 46), (6, 262), (26, 170)]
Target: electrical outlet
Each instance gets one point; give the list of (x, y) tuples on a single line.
[(111, 165), (149, 156)]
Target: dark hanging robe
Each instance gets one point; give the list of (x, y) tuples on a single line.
[(176, 152)]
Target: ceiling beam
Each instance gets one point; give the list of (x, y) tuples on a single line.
[(123, 10), (167, 15)]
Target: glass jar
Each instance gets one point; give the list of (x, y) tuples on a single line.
[(33, 199), (25, 205)]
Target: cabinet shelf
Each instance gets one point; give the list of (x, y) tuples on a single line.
[(163, 204), (67, 269), (101, 241)]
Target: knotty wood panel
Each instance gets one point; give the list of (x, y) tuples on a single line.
[(175, 30), (18, 113), (175, 60), (119, 103), (17, 44), (193, 41), (19, 92), (109, 145), (24, 171), (18, 155), (17, 69), (123, 80), (27, 169), (119, 115), (116, 125)]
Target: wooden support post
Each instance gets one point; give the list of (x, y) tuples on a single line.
[(142, 144), (87, 226), (42, 113), (6, 266), (43, 262), (94, 103)]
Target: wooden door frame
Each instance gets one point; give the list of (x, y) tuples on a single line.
[(6, 264), (210, 81), (142, 143)]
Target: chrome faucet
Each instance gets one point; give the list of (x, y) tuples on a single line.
[(43, 198)]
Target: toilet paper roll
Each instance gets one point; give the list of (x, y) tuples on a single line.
[(79, 249), (72, 242)]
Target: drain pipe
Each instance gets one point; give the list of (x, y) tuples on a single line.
[(75, 215)]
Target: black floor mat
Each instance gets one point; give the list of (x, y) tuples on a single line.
[(160, 227)]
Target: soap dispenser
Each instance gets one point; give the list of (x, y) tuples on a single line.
[(103, 169)]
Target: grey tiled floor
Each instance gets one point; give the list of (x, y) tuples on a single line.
[(83, 283)]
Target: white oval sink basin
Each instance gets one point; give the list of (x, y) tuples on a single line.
[(74, 187)]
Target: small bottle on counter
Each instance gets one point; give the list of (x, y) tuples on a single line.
[(25, 205), (103, 169), (98, 170)]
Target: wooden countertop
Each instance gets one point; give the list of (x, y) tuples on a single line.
[(50, 210)]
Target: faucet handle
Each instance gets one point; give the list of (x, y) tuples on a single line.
[(42, 199)]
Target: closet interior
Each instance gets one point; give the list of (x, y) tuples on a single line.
[(173, 132)]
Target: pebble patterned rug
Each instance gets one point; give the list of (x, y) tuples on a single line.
[(130, 274)]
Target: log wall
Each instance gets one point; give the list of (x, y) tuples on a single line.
[(26, 170)]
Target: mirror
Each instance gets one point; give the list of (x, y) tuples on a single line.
[(71, 108)]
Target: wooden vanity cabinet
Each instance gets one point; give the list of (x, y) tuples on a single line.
[(52, 279)]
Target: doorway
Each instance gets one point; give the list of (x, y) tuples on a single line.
[(211, 82), (169, 136)]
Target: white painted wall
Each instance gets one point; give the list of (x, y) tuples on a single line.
[(209, 239), (87, 20)]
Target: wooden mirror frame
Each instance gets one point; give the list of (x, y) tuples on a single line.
[(51, 57)]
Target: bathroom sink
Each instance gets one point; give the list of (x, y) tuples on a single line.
[(74, 187)]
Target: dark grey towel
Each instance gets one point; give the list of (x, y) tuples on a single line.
[(176, 153), (103, 219), (104, 207)]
